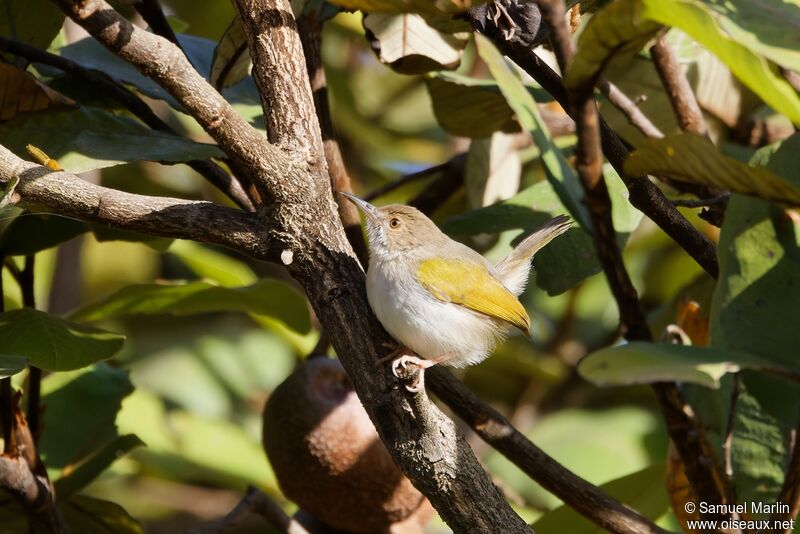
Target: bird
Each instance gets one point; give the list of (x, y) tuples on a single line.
[(439, 298)]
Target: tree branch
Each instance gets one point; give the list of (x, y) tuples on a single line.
[(642, 193), (212, 172), (151, 12), (684, 429), (680, 93), (496, 430), (254, 502), (589, 162), (311, 36), (629, 108), (422, 440), (66, 194)]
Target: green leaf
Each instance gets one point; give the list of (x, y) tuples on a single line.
[(33, 232), (645, 363), (693, 158), (35, 22), (89, 515), (231, 61), (11, 365), (567, 260), (559, 173), (615, 33), (266, 297), (644, 491), (759, 253), (91, 54), (624, 440), (87, 138), (753, 70), (84, 473), (52, 343), (212, 264), (81, 407), (468, 107), (407, 44), (493, 170), (766, 27)]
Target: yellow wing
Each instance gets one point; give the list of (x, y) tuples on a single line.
[(472, 286)]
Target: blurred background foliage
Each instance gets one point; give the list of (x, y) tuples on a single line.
[(191, 386)]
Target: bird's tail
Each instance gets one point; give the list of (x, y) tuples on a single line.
[(513, 270)]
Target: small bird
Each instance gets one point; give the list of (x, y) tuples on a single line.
[(438, 297)]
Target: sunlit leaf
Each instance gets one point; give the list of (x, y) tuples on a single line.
[(86, 138), (646, 363), (614, 33), (759, 251), (52, 343), (231, 62), (468, 107), (34, 22), (89, 515), (559, 173), (695, 159), (23, 93), (75, 478), (81, 407), (409, 45), (213, 264), (266, 297), (752, 69), (493, 170)]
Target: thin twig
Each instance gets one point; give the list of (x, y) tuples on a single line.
[(211, 171), (701, 202), (441, 189), (629, 108), (151, 12), (254, 502), (586, 498), (728, 441), (684, 103), (26, 286), (405, 179)]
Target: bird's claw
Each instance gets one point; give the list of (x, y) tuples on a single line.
[(411, 371)]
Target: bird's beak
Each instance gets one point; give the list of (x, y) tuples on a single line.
[(369, 210)]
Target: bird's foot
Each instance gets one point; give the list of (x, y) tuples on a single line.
[(398, 349), (411, 371)]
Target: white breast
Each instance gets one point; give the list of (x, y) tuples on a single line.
[(428, 326)]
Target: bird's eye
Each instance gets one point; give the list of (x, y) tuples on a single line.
[(394, 223)]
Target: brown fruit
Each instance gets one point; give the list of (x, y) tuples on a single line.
[(326, 453)]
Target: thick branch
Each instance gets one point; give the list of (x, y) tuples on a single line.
[(422, 440), (66, 194), (587, 499), (311, 36), (642, 193)]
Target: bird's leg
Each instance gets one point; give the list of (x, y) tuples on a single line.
[(500, 11), (397, 350)]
